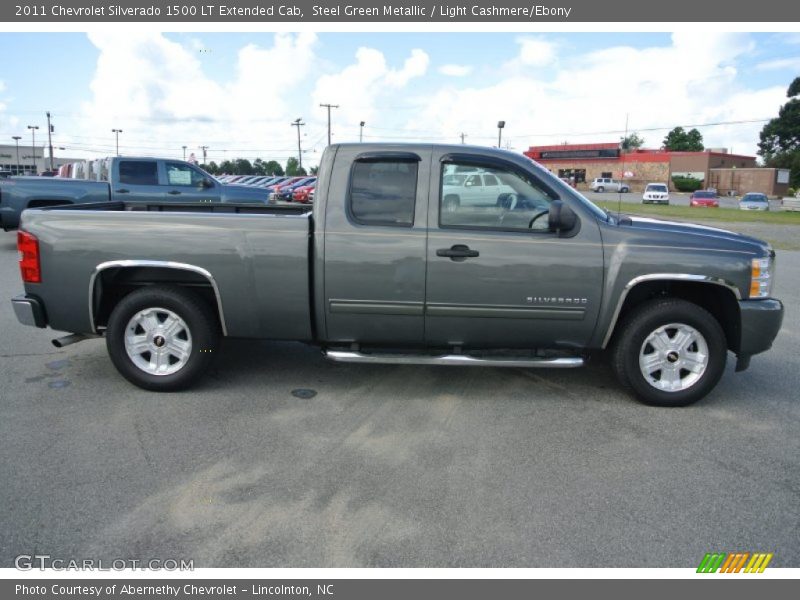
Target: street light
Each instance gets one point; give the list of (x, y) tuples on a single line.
[(33, 129), (16, 139), (116, 133), (184, 153), (361, 132), (500, 125)]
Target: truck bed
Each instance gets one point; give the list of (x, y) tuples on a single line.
[(257, 258)]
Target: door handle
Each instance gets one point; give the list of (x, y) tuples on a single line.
[(459, 252), (123, 191), (174, 192)]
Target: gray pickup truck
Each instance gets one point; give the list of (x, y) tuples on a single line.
[(380, 272), (129, 179)]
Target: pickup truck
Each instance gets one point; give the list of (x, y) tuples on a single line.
[(380, 273), (129, 179)]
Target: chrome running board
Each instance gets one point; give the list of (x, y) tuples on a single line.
[(452, 360)]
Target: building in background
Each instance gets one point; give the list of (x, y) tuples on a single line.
[(717, 168), (27, 164)]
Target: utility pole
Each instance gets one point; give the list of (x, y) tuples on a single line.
[(33, 129), (463, 135), (299, 123), (16, 139), (360, 132), (184, 153), (204, 149), (117, 132), (329, 107), (50, 140)]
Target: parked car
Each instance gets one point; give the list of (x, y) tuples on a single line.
[(656, 193), (477, 188), (606, 184), (704, 198), (379, 273), (285, 192), (121, 179), (304, 194), (754, 201)]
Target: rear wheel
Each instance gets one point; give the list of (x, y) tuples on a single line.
[(669, 352), (162, 338), (600, 189)]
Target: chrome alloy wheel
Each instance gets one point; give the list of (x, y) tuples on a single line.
[(158, 341), (673, 357)]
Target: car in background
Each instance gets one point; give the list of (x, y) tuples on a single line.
[(286, 191), (5, 174), (304, 194), (754, 201), (606, 184), (704, 198), (656, 193)]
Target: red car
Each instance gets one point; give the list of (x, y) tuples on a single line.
[(704, 198), (303, 193)]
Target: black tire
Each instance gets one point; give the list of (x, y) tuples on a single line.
[(624, 190), (600, 189), (200, 321), (647, 318)]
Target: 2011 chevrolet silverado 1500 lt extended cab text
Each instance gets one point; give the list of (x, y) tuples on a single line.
[(529, 275), (128, 179)]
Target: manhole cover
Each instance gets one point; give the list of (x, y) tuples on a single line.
[(304, 393)]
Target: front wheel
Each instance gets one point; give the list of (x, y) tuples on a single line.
[(669, 352), (600, 189), (162, 338)]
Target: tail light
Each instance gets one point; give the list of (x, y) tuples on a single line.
[(28, 247)]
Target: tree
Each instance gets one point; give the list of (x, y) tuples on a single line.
[(679, 140), (314, 170), (273, 167), (243, 167), (212, 168), (294, 168), (259, 167), (779, 143), (632, 142), (226, 167)]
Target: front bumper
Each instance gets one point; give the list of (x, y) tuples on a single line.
[(761, 321), (29, 311)]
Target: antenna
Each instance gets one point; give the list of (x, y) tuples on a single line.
[(622, 175)]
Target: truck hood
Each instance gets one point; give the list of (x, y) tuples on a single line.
[(701, 234)]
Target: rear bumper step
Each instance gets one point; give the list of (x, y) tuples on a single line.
[(453, 360)]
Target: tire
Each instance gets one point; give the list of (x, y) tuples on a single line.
[(662, 321), (162, 363), (451, 203), (624, 190), (600, 189)]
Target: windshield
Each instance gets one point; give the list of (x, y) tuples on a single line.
[(656, 188), (754, 198), (704, 195)]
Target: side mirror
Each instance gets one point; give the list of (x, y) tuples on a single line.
[(561, 217), (206, 183)]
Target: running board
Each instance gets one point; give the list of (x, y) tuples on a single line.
[(452, 360)]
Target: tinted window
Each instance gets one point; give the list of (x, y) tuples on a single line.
[(754, 198), (704, 195), (490, 180), (383, 192), (181, 174), (517, 202), (138, 172)]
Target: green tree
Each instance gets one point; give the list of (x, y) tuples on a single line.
[(632, 141), (243, 167), (679, 140), (226, 167), (273, 167), (212, 168), (779, 143), (314, 170), (293, 167), (259, 167)]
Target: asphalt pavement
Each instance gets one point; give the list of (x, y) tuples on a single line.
[(281, 459)]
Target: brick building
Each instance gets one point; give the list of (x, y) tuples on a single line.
[(585, 162)]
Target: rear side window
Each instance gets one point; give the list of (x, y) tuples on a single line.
[(383, 192), (138, 172)]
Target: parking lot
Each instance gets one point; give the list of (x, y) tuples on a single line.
[(281, 459)]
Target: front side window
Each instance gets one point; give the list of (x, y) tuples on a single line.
[(181, 174), (383, 192), (517, 201), (138, 172)]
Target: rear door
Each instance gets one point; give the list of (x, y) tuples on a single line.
[(374, 245), (136, 180), (497, 276)]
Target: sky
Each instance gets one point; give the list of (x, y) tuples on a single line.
[(237, 93)]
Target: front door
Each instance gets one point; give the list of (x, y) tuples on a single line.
[(185, 183), (497, 276)]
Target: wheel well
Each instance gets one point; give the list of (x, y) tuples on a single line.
[(716, 299), (113, 284)]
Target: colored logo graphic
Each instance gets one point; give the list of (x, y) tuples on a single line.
[(735, 562)]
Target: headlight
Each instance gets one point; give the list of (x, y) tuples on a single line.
[(761, 277)]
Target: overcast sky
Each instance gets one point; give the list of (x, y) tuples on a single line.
[(238, 92)]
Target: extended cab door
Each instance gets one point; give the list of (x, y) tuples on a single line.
[(135, 179), (374, 246), (497, 276)]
